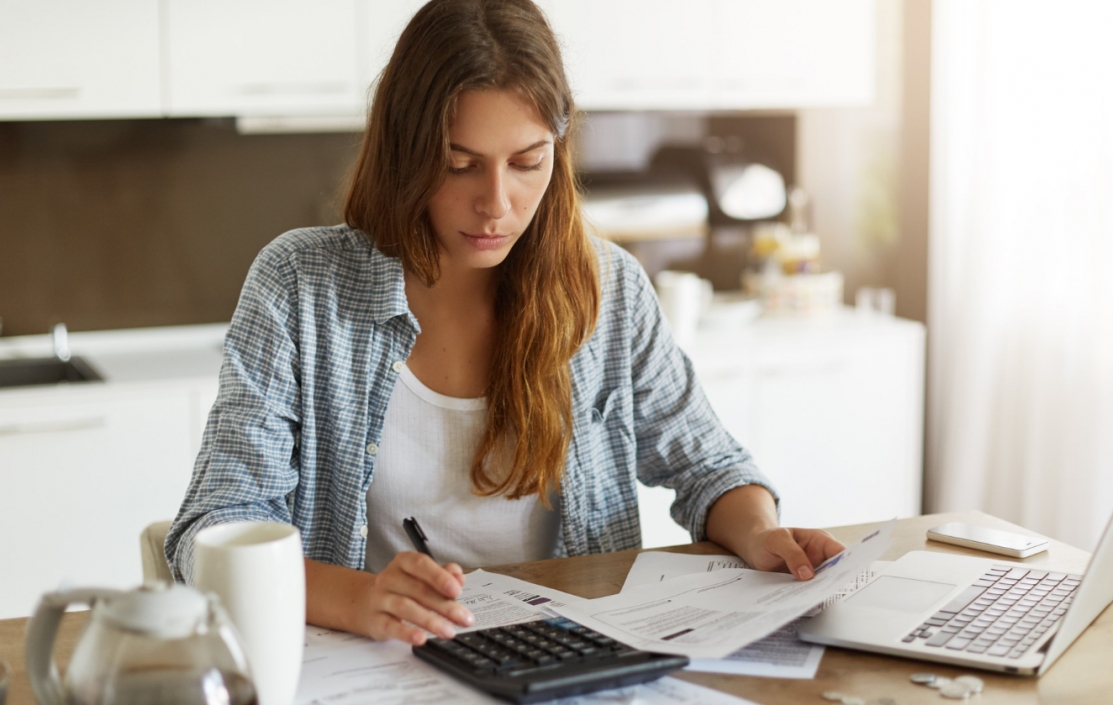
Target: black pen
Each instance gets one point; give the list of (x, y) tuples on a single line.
[(417, 536)]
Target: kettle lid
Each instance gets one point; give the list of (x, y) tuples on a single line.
[(159, 610)]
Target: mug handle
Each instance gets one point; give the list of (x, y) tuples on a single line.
[(43, 628)]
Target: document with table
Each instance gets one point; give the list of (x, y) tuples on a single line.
[(779, 655), (711, 615)]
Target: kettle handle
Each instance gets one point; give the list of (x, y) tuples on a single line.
[(43, 628)]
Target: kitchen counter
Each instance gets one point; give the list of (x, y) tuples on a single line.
[(134, 355)]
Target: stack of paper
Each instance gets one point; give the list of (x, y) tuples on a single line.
[(712, 614)]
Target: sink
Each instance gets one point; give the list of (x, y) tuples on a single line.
[(26, 372)]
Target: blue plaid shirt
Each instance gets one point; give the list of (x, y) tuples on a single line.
[(311, 357)]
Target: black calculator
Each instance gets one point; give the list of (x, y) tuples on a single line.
[(544, 660)]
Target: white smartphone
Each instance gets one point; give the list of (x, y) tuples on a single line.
[(1005, 543)]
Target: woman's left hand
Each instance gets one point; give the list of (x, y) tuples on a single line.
[(796, 550)]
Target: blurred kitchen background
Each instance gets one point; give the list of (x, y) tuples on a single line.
[(869, 169)]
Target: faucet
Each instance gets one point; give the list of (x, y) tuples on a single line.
[(61, 342)]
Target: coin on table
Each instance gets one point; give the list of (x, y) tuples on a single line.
[(834, 696), (939, 682), (976, 684), (922, 678), (956, 691)]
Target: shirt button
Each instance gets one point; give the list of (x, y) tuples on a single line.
[(363, 531), (372, 449), (397, 366)]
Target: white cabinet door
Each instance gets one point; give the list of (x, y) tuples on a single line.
[(716, 54), (82, 472), (382, 22), (79, 59), (263, 57), (635, 54), (832, 410), (834, 431), (792, 53)]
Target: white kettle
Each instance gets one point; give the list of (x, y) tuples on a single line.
[(160, 643)]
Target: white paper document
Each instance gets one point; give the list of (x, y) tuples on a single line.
[(713, 614), (498, 600), (779, 655), (343, 669), (658, 566)]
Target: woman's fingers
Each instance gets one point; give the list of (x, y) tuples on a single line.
[(819, 545), (457, 571), (414, 595), (408, 609), (429, 571), (385, 627), (793, 555), (430, 599)]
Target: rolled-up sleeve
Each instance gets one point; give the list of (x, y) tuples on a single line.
[(681, 444), (247, 467)]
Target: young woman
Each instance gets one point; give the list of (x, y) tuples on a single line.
[(462, 352)]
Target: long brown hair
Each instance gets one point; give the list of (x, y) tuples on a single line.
[(548, 293)]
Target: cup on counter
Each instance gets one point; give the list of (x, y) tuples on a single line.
[(875, 300), (683, 297), (257, 570)]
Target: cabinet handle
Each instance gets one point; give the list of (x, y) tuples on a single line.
[(262, 89), (21, 429), (820, 368), (39, 93)]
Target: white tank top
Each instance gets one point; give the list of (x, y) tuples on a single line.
[(423, 470)]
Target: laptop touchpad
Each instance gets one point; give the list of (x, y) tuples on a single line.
[(900, 594)]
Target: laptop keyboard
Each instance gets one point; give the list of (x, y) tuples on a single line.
[(1004, 613)]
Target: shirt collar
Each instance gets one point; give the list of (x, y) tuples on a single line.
[(389, 299)]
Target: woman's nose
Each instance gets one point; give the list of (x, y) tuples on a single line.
[(494, 201)]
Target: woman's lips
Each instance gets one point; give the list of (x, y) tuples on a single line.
[(486, 242)]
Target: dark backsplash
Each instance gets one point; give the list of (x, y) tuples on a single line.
[(132, 223)]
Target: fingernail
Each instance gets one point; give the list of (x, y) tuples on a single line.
[(448, 632), (465, 618), (805, 573)]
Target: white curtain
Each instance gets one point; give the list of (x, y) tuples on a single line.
[(1021, 263)]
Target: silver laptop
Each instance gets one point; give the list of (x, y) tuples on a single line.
[(969, 611)]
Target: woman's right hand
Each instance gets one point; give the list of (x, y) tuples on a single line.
[(412, 595)]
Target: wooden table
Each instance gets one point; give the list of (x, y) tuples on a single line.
[(1084, 675)]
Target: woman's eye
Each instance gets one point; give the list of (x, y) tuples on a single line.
[(459, 169), (529, 167)]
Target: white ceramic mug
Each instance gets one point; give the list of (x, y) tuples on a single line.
[(683, 297), (258, 571)]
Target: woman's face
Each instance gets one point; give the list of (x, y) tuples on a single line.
[(500, 166)]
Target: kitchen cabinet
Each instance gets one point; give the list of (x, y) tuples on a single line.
[(262, 57), (83, 469), (831, 408), (636, 54), (62, 59), (716, 54), (381, 21), (792, 53), (146, 58)]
